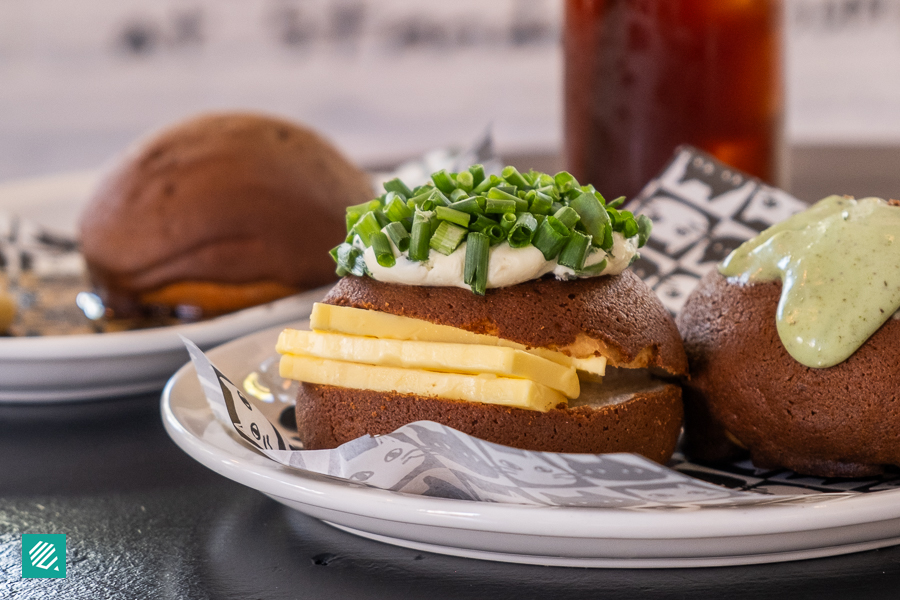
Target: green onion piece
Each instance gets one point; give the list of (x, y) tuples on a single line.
[(617, 202), (384, 254), (355, 212), (481, 223), (465, 181), (575, 251), (541, 204), (477, 172), (512, 175), (592, 270), (349, 259), (396, 208), (399, 235), (495, 233), (365, 227), (509, 189), (565, 181), (458, 194), (443, 181), (523, 231), (420, 237), (421, 198), (469, 205), (645, 226), (542, 180), (494, 206), (475, 271), (395, 185), (340, 271), (498, 193), (487, 184), (550, 238), (447, 237), (507, 221), (555, 207), (380, 217), (629, 226), (550, 191), (567, 216), (594, 217), (439, 198), (454, 216)]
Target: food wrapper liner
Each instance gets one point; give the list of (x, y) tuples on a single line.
[(702, 209)]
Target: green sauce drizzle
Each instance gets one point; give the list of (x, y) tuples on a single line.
[(839, 263)]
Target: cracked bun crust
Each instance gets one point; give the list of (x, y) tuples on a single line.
[(843, 421), (207, 213), (618, 316)]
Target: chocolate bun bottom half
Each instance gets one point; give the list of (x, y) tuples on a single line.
[(747, 394), (636, 408), (219, 212)]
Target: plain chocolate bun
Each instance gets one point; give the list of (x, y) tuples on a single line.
[(220, 212), (843, 421), (619, 317)]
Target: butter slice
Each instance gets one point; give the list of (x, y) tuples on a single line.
[(489, 389), (433, 356), (358, 321)]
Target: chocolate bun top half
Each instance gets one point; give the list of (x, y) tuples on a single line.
[(228, 198), (618, 317)]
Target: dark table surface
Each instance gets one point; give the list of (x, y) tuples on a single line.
[(143, 520)]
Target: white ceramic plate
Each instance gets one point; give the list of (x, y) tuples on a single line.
[(583, 537), (88, 367)]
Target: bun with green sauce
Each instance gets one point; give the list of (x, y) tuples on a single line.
[(794, 345), (500, 306)]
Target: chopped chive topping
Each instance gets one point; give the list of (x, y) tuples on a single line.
[(446, 213), (395, 185), (365, 227), (563, 219), (355, 213), (465, 181), (512, 175), (567, 216), (384, 254), (477, 172), (469, 205), (475, 271), (550, 238), (523, 231), (396, 209), (420, 237), (398, 234), (645, 225), (447, 237), (443, 181), (507, 220), (496, 206), (575, 251)]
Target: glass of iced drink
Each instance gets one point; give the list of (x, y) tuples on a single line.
[(644, 76)]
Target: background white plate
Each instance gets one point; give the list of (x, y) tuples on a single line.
[(584, 537), (88, 367)]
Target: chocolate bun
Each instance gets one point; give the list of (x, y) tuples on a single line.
[(618, 317), (747, 391), (219, 212)]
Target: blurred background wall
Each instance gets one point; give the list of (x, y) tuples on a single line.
[(387, 79)]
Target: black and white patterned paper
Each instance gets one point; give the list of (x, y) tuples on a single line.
[(701, 209), (429, 459)]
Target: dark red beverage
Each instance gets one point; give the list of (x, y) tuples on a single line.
[(644, 76)]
